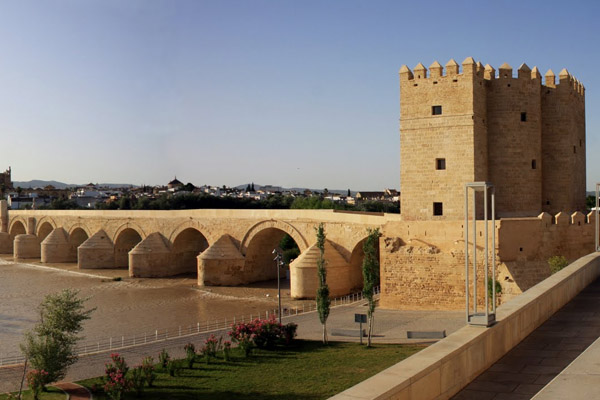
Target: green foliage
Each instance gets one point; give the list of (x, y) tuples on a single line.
[(148, 369), (190, 354), (163, 358), (50, 345), (323, 300), (290, 249), (61, 204), (590, 202), (490, 287), (557, 263), (370, 269), (138, 380)]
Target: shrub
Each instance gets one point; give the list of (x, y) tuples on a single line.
[(138, 380), (190, 354), (557, 263), (227, 350), (289, 332), (173, 368), (148, 369), (163, 358), (116, 377), (243, 334), (36, 379), (267, 333), (211, 347)]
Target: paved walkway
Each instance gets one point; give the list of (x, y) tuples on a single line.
[(540, 357), (390, 327), (74, 391)]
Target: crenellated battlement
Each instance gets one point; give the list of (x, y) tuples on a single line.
[(564, 218), (487, 72)]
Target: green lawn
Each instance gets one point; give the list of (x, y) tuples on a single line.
[(52, 394), (306, 370)]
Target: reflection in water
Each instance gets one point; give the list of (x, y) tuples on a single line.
[(131, 306)]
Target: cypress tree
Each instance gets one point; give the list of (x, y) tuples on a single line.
[(323, 300)]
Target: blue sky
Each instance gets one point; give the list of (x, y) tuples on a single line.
[(290, 93)]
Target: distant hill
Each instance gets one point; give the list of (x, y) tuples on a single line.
[(36, 183)]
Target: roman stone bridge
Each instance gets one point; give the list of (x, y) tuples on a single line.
[(224, 247)]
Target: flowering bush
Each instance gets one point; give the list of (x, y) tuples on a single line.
[(243, 334), (35, 380), (211, 347), (148, 369), (116, 379), (262, 333)]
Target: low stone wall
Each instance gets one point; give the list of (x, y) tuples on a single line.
[(443, 369)]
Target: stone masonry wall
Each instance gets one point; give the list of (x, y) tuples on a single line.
[(423, 263)]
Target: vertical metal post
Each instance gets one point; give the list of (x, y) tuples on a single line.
[(466, 237), (493, 195), (596, 213), (486, 264), (474, 253)]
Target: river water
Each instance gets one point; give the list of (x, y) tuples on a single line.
[(129, 307)]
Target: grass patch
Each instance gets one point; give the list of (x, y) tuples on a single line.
[(52, 394), (305, 370)]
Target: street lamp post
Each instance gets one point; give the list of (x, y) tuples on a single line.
[(278, 263)]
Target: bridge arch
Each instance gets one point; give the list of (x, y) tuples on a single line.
[(17, 227), (356, 259), (44, 228), (79, 226), (186, 246), (258, 245), (77, 236), (125, 239), (273, 224)]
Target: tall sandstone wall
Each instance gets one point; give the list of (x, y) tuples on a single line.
[(423, 262)]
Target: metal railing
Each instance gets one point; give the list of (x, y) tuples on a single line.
[(125, 341)]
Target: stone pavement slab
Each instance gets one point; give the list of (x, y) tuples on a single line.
[(540, 358)]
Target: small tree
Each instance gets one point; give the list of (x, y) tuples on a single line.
[(370, 270), (50, 345), (323, 301)]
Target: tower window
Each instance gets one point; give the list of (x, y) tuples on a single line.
[(574, 150), (438, 208), (533, 164), (440, 163), (523, 117), (436, 110)]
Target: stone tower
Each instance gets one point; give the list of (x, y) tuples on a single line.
[(527, 138)]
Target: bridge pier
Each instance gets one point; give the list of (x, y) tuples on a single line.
[(304, 279), (56, 248), (151, 258), (221, 264), (27, 245), (6, 243), (96, 252)]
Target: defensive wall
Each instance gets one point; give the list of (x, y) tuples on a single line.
[(422, 262), (444, 368)]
